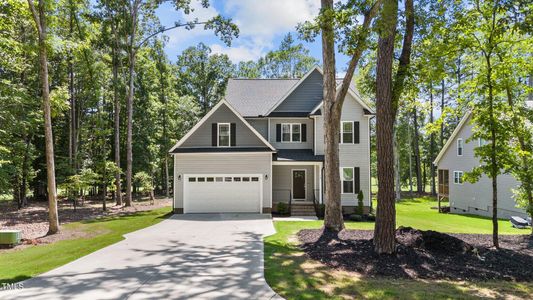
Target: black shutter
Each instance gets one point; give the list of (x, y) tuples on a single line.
[(304, 132), (214, 134), (278, 132), (356, 132), (233, 134), (356, 180)]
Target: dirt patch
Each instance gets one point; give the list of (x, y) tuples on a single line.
[(424, 255), (32, 220)]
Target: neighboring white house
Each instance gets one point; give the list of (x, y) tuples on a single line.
[(264, 144), (454, 160)]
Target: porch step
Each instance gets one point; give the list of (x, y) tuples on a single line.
[(302, 210)]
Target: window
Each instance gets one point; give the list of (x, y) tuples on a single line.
[(192, 179), (201, 179), (210, 179), (224, 133), (458, 177), (459, 147), (291, 133), (236, 179), (255, 178), (218, 179), (246, 179), (227, 179), (347, 180), (347, 132)]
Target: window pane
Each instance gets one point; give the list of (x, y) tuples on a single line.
[(192, 179), (347, 126), (347, 186), (347, 138), (236, 179), (218, 179), (246, 179), (223, 134), (227, 179), (210, 179), (347, 173), (286, 132), (255, 178), (296, 132), (201, 179)]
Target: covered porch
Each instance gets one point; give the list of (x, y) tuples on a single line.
[(297, 181)]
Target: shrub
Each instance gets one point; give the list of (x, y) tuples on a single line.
[(360, 208), (356, 218), (282, 208), (370, 218)]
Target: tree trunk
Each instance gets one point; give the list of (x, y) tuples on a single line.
[(432, 146), (442, 106), (129, 103), (40, 22), (493, 159), (397, 180), (116, 100), (416, 151), (333, 220), (384, 232)]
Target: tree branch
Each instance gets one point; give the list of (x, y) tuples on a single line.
[(405, 56), (360, 47), (167, 29), (35, 16)]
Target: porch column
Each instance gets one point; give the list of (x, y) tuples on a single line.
[(320, 183)]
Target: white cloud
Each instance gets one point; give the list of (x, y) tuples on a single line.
[(262, 19), (238, 53)]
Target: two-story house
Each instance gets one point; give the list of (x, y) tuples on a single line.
[(264, 144), (454, 160)]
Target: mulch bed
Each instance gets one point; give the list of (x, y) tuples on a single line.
[(424, 254)]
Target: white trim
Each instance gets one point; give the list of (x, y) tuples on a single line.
[(296, 163), (186, 176), (268, 130), (215, 108), (452, 138), (342, 132), (320, 184), (461, 177), (218, 134), (357, 99), (305, 185), (224, 153), (342, 180), (297, 84), (462, 147), (317, 107), (290, 132), (369, 157), (314, 136)]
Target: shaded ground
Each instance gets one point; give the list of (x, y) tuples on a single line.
[(33, 219), (424, 255)]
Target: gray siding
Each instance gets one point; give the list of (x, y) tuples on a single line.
[(256, 163), (305, 97), (261, 125), (282, 182), (356, 155), (244, 136), (476, 198), (319, 135), (308, 144)]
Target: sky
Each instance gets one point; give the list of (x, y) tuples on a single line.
[(262, 25)]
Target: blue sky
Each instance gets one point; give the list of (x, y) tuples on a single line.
[(262, 25)]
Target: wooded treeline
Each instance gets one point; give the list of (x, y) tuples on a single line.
[(117, 103)]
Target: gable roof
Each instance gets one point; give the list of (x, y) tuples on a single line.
[(369, 110), (254, 97), (260, 97), (452, 137), (211, 112)]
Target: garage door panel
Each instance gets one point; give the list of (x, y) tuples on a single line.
[(213, 193)]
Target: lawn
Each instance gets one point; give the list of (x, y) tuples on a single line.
[(294, 276), (22, 264)]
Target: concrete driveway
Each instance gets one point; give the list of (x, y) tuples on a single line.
[(215, 256)]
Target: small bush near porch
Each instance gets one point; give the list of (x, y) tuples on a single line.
[(294, 275)]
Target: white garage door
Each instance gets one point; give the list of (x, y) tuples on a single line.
[(217, 193)]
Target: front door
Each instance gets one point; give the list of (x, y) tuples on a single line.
[(298, 184)]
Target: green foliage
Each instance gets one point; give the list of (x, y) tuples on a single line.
[(143, 181), (360, 205), (282, 208)]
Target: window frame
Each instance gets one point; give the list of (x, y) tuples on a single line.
[(342, 181), (460, 140), (459, 178), (218, 134), (291, 125), (342, 132)]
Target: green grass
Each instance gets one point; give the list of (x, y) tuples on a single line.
[(294, 276), (22, 264)]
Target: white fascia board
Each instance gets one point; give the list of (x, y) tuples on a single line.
[(452, 137)]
